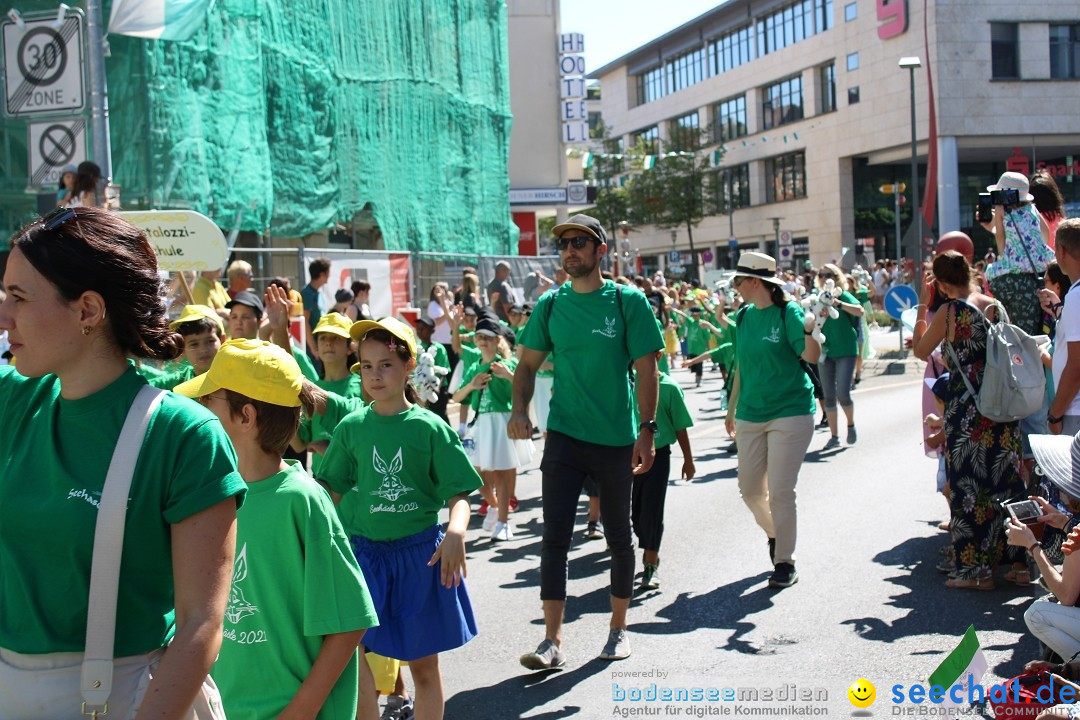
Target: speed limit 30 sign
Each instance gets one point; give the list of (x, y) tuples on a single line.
[(43, 66)]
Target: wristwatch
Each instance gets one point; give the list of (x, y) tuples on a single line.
[(1054, 420), (649, 425)]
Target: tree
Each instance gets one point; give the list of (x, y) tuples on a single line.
[(674, 192)]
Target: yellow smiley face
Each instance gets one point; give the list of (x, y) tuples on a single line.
[(861, 693)]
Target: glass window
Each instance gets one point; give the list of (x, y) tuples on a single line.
[(685, 70), (729, 119), (685, 131), (1065, 51), (782, 103), (731, 50), (650, 137), (731, 187), (851, 11), (823, 14), (853, 61), (828, 88), (786, 176), (793, 24), (1004, 51), (853, 96), (650, 86)]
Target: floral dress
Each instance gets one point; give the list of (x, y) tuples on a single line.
[(982, 457)]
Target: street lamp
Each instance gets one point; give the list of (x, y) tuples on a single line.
[(910, 64)]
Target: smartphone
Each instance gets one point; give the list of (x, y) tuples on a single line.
[(1024, 511), (1005, 197), (984, 211)]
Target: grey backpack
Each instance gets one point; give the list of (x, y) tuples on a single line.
[(1014, 383)]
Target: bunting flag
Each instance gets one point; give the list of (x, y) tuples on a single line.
[(716, 158), (649, 162), (586, 159), (158, 19)]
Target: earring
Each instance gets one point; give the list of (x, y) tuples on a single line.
[(87, 329)]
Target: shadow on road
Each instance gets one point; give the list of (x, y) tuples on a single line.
[(937, 610), (516, 696), (723, 608)]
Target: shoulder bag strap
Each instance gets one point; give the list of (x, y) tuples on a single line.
[(1023, 244), (97, 667)]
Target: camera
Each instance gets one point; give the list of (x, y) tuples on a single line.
[(984, 211), (1004, 197)]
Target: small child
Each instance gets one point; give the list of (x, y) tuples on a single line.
[(298, 605), (650, 488), (391, 467), (488, 386), (203, 330)]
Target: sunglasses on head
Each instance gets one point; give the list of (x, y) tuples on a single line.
[(58, 217), (577, 242), (826, 275)]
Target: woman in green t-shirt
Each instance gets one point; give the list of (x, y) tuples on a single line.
[(839, 352), (771, 411), (83, 295)]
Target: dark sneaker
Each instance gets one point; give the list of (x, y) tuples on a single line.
[(783, 576), (772, 550), (733, 449), (548, 656), (397, 708), (650, 580), (851, 435), (824, 423), (832, 444), (617, 646)]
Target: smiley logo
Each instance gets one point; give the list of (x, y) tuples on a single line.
[(861, 693)]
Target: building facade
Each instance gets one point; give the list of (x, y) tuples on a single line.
[(812, 112)]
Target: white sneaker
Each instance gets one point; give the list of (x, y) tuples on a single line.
[(502, 532), (490, 520)]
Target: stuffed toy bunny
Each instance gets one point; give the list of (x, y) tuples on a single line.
[(427, 377), (822, 305)]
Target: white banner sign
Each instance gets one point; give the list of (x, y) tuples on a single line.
[(182, 240)]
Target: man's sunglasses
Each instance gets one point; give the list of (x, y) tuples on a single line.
[(578, 242)]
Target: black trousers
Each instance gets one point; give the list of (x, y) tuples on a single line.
[(566, 462), (647, 507)]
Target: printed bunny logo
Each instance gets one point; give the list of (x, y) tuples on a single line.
[(391, 488), (238, 607), (609, 328)]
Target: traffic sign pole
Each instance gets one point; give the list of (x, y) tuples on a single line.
[(99, 100)]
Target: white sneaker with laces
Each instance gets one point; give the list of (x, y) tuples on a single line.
[(490, 520), (502, 532)]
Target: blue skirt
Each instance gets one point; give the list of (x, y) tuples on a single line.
[(417, 615)]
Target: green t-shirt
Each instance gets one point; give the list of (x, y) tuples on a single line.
[(295, 580), (841, 333), (395, 472), (55, 454), (697, 337), (169, 380), (469, 356), (671, 412), (772, 382), (591, 398), (466, 336), (497, 397), (306, 366), (313, 429)]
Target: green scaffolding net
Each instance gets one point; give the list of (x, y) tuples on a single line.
[(292, 116)]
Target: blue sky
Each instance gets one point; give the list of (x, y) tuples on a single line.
[(613, 28)]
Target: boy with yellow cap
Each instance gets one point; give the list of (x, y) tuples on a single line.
[(203, 332), (299, 604)]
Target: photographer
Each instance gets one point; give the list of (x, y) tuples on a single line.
[(1023, 250)]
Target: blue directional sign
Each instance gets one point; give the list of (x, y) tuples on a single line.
[(899, 299)]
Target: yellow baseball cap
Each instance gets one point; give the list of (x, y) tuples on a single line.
[(255, 368), (334, 323), (392, 325), (197, 312)]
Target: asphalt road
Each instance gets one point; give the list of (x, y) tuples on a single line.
[(869, 602)]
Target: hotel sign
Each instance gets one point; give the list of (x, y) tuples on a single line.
[(575, 119)]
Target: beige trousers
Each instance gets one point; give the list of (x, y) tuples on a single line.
[(770, 455)]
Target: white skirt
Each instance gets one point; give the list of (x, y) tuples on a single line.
[(496, 451), (542, 401)]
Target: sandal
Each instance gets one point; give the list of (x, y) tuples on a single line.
[(983, 583), (1018, 577)]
